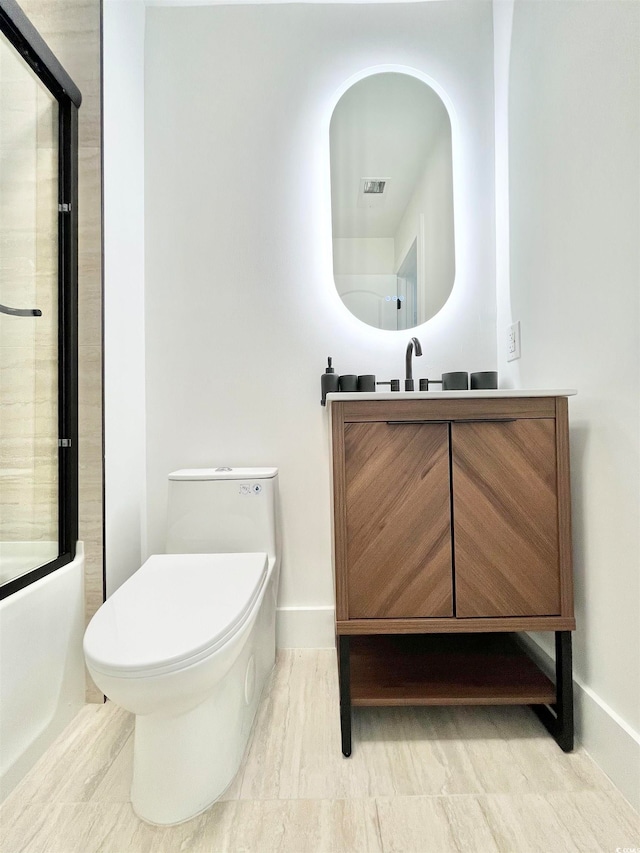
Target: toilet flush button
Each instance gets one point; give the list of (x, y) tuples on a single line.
[(257, 488)]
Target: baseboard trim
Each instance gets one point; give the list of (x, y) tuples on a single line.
[(305, 627), (609, 740)]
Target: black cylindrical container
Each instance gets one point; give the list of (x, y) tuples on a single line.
[(349, 382), (484, 379), (458, 380), (367, 382)]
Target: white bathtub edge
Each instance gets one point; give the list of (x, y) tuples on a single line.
[(41, 629)]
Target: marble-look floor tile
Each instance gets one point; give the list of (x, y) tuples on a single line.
[(232, 827), (582, 821), (295, 750), (451, 824), (77, 762), (510, 751), (115, 785), (291, 826), (90, 828)]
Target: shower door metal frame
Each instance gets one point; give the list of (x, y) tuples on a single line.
[(19, 30)]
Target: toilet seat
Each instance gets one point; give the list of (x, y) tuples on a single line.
[(175, 610)]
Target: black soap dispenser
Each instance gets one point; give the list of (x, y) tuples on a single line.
[(328, 382)]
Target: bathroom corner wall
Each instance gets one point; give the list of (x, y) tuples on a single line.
[(71, 28), (571, 213), (124, 332)]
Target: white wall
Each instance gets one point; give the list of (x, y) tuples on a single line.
[(431, 206), (123, 80), (574, 138), (363, 255), (364, 274), (241, 310), (370, 298)]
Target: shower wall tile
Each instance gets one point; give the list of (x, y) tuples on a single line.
[(46, 215), (17, 331), (19, 185), (29, 520), (17, 524), (18, 287), (90, 476), (18, 98), (46, 299), (46, 390), (71, 28), (17, 389), (90, 419), (28, 246), (17, 455), (13, 490), (47, 120), (28, 487), (12, 68), (17, 467), (90, 207), (17, 251), (90, 248), (90, 308)]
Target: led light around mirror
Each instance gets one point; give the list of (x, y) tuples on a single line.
[(392, 201)]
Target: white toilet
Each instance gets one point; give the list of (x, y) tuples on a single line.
[(187, 643)]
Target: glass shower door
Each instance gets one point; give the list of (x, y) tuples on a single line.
[(29, 370)]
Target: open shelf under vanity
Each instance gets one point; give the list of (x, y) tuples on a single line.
[(445, 669)]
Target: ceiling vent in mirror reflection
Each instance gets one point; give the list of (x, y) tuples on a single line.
[(373, 186), (392, 200)]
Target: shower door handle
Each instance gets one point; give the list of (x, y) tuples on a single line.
[(20, 312)]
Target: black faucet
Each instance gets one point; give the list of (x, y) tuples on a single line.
[(408, 382)]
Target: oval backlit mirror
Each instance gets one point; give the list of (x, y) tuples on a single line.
[(392, 201)]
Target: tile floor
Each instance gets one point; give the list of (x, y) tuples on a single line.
[(424, 780)]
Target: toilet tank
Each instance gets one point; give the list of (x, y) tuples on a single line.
[(222, 510)]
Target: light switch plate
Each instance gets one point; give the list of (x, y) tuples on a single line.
[(513, 341)]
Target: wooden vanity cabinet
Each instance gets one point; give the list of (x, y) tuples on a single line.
[(398, 520), (505, 510), (450, 517)]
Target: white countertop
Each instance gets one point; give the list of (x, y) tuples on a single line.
[(494, 394)]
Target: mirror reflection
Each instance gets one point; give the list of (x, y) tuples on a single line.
[(392, 201)]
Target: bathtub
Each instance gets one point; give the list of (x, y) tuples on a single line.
[(42, 666)]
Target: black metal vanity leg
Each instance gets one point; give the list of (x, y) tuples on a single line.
[(559, 722), (345, 694), (564, 690)]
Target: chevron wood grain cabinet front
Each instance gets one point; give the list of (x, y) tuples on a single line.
[(451, 517)]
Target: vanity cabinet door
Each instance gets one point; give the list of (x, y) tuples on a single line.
[(398, 520), (505, 515)]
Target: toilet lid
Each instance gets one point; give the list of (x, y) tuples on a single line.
[(175, 608)]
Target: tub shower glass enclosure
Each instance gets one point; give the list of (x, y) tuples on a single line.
[(38, 306)]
